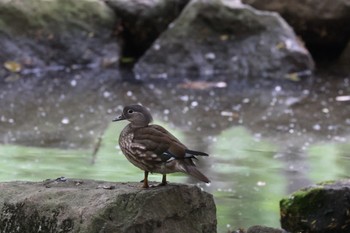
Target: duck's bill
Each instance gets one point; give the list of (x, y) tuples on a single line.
[(119, 118)]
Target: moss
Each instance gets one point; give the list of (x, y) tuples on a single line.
[(54, 15), (302, 201)]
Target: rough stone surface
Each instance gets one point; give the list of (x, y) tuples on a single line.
[(323, 25), (51, 34), (213, 38), (140, 22), (264, 229), (323, 208), (86, 206)]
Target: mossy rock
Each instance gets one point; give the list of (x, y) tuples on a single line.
[(324, 207), (88, 206), (54, 16)]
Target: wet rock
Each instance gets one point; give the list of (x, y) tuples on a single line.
[(264, 229), (87, 206), (140, 22), (213, 38), (324, 207), (56, 34), (323, 25), (344, 60)]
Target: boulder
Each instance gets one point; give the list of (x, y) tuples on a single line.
[(56, 34), (322, 208), (264, 229), (225, 38), (323, 25), (67, 206), (140, 22)]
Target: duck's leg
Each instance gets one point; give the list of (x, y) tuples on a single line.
[(145, 180), (163, 181)]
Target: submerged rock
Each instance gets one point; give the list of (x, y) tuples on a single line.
[(318, 209), (92, 206), (213, 38)]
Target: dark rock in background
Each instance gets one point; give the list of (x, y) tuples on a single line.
[(215, 38), (264, 229), (323, 25), (55, 34), (94, 206), (323, 208), (141, 22)]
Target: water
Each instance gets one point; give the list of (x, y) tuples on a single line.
[(264, 141)]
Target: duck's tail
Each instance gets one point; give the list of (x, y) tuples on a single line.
[(193, 171)]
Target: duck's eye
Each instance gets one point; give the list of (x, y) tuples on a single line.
[(130, 111)]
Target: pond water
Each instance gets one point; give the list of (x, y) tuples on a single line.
[(264, 141)]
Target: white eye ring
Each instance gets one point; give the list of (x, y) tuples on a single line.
[(130, 111)]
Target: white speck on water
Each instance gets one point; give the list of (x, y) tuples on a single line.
[(3, 119), (291, 131), (226, 113), (109, 110), (261, 183), (221, 84), (166, 111), (11, 121), (91, 132), (184, 98), (213, 125), (316, 127), (210, 56), (228, 225), (343, 98), (129, 93), (306, 92), (185, 109), (189, 123), (246, 100), (278, 88), (43, 114), (106, 94), (194, 104), (65, 120), (325, 110), (81, 115), (73, 82), (76, 128)]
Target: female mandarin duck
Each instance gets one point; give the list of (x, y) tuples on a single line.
[(153, 149)]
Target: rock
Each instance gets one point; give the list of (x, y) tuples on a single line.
[(344, 60), (215, 38), (51, 34), (264, 229), (140, 22), (324, 207), (94, 206), (323, 25)]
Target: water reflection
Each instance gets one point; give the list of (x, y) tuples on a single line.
[(265, 140)]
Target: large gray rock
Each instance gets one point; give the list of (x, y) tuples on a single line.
[(47, 34), (140, 22), (323, 208), (323, 25), (86, 206), (213, 38)]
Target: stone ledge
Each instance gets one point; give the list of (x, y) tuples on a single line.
[(67, 206)]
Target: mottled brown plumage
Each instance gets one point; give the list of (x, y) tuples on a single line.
[(152, 148)]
